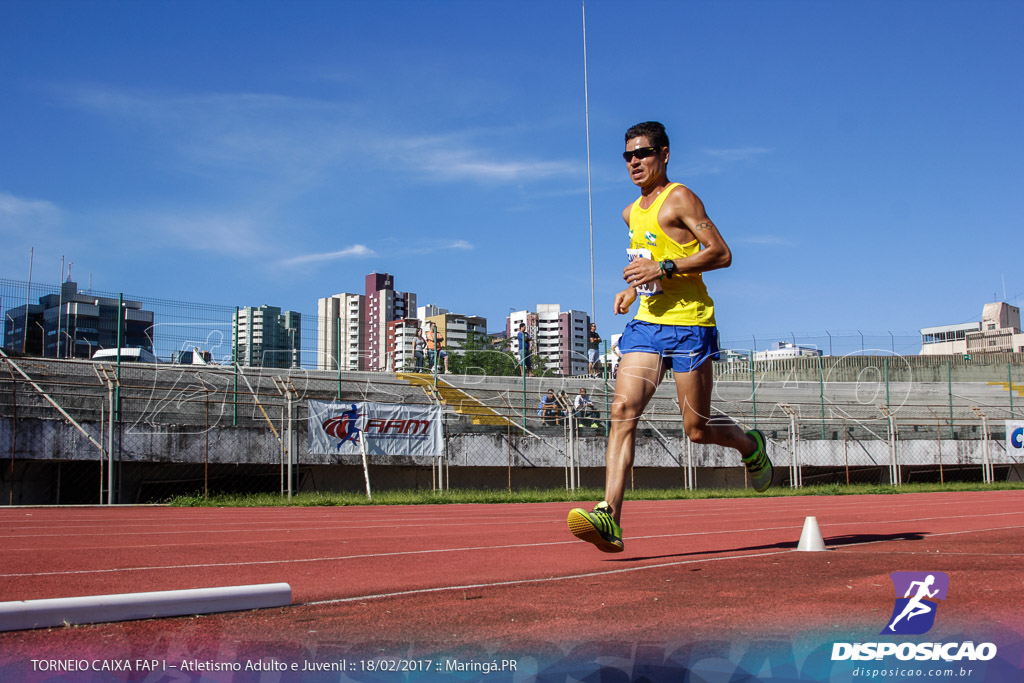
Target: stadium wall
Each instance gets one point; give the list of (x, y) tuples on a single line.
[(979, 367), (52, 462)]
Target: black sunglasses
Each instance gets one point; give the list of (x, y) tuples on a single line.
[(641, 153)]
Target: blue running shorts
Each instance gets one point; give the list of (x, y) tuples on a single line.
[(686, 346)]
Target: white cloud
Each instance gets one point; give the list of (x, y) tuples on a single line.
[(713, 161), (355, 251), (738, 154), (296, 140), (766, 241), (17, 213), (272, 135), (461, 245), (439, 158)]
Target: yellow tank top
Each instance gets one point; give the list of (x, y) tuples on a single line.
[(680, 299)]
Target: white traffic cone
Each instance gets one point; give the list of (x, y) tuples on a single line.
[(810, 538)]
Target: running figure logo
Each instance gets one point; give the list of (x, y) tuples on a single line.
[(914, 612), (344, 426)]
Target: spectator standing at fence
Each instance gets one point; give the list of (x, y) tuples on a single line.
[(672, 242), (523, 343), (593, 349), (419, 346), (584, 408), (616, 354), (435, 348)]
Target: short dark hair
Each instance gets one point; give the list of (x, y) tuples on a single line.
[(652, 130)]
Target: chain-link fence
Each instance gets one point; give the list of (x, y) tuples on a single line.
[(75, 431), (77, 321)]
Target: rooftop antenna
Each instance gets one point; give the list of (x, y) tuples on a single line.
[(590, 196), (1004, 286), (28, 294)]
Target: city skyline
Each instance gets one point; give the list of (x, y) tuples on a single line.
[(850, 152), (830, 342)]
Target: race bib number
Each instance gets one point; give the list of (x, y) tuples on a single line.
[(651, 288)]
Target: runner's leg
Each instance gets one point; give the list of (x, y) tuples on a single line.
[(638, 377), (694, 392)]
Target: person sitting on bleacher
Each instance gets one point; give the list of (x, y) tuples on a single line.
[(584, 408), (549, 411)]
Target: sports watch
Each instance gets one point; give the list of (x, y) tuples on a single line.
[(668, 266)]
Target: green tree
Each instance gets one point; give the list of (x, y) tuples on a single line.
[(478, 356)]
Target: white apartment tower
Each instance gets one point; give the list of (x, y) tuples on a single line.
[(353, 328), (559, 337), (340, 331)]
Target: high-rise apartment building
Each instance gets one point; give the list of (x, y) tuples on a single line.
[(358, 324), (559, 337), (341, 320), (266, 337), (382, 305), (73, 324), (401, 344)]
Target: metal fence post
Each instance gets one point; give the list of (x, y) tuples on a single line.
[(234, 362), (753, 389), (795, 475), (607, 399), (821, 393), (338, 335), (987, 471), (1009, 383), (121, 315), (885, 370), (895, 477), (949, 379)]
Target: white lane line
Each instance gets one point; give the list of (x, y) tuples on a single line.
[(346, 526), (796, 504), (255, 563), (948, 533), (477, 524), (518, 582)]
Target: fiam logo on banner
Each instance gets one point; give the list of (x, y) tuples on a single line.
[(344, 427), (375, 429), (917, 596), (1015, 437), (914, 613)]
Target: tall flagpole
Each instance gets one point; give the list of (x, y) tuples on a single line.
[(590, 195)]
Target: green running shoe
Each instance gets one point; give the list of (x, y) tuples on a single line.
[(758, 464), (597, 527)]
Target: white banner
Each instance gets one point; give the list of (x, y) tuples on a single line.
[(380, 428), (1015, 438)]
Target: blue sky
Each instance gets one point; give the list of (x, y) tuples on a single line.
[(862, 159)]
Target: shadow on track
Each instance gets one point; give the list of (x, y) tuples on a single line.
[(830, 542)]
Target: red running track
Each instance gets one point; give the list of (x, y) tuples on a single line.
[(511, 576)]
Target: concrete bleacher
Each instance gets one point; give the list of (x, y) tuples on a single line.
[(193, 395), (177, 417)]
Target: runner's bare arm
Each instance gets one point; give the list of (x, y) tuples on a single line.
[(625, 298), (683, 218)]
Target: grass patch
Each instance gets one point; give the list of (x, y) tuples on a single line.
[(422, 497)]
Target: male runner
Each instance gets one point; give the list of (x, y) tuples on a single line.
[(672, 241)]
